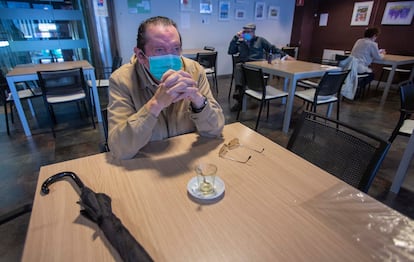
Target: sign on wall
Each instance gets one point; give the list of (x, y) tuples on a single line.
[(362, 13)]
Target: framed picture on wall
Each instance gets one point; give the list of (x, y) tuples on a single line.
[(224, 8), (398, 13), (240, 14), (362, 13), (259, 11), (206, 7), (274, 12)]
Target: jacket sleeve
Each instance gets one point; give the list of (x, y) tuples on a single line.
[(129, 130), (210, 121), (267, 46), (233, 46)]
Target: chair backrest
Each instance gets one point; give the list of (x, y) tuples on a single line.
[(340, 149), (62, 82), (254, 79), (407, 95), (339, 57), (207, 60), (331, 83), (291, 50), (116, 63), (209, 48), (4, 88)]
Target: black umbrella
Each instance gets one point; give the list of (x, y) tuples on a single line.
[(97, 207)]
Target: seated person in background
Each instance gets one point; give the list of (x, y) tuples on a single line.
[(250, 48), (159, 94), (365, 50)]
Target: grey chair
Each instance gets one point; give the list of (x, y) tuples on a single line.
[(235, 60), (103, 73), (405, 125), (349, 153), (64, 86), (328, 91), (209, 61), (291, 51), (256, 88), (7, 99)]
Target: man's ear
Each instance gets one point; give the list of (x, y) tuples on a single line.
[(140, 55)]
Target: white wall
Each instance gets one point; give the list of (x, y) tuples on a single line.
[(198, 30)]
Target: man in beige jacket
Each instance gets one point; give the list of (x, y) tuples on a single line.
[(159, 94)]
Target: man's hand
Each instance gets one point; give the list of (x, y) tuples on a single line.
[(174, 86)]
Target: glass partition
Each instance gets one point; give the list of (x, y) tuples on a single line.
[(41, 32)]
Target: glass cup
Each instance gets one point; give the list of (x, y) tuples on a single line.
[(206, 176)]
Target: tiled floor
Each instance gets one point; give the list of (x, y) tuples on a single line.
[(22, 157)]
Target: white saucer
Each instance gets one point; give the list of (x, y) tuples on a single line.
[(192, 188)]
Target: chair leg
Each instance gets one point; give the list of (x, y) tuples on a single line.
[(7, 118), (91, 108), (216, 83), (11, 113), (52, 117), (380, 79), (260, 113), (241, 106), (267, 114), (231, 86)]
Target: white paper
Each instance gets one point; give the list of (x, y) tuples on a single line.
[(323, 19)]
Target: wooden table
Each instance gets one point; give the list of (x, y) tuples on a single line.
[(291, 71), (28, 72), (394, 61), (277, 207)]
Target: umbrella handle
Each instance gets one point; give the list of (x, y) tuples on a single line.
[(59, 176)]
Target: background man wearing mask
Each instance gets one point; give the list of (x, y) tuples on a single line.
[(159, 94), (250, 48)]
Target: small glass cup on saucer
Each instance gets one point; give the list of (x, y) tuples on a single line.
[(206, 176)]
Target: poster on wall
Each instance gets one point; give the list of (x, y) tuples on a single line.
[(362, 13), (224, 8), (274, 12), (240, 14), (139, 6), (398, 13), (259, 11), (206, 7), (100, 8)]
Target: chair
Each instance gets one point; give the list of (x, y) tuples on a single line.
[(314, 82), (405, 125), (209, 61), (7, 98), (291, 51), (400, 71), (64, 86), (209, 48), (103, 73), (328, 91), (363, 79), (342, 150), (235, 60), (257, 89)]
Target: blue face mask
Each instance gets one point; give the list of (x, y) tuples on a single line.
[(247, 36), (158, 65)]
